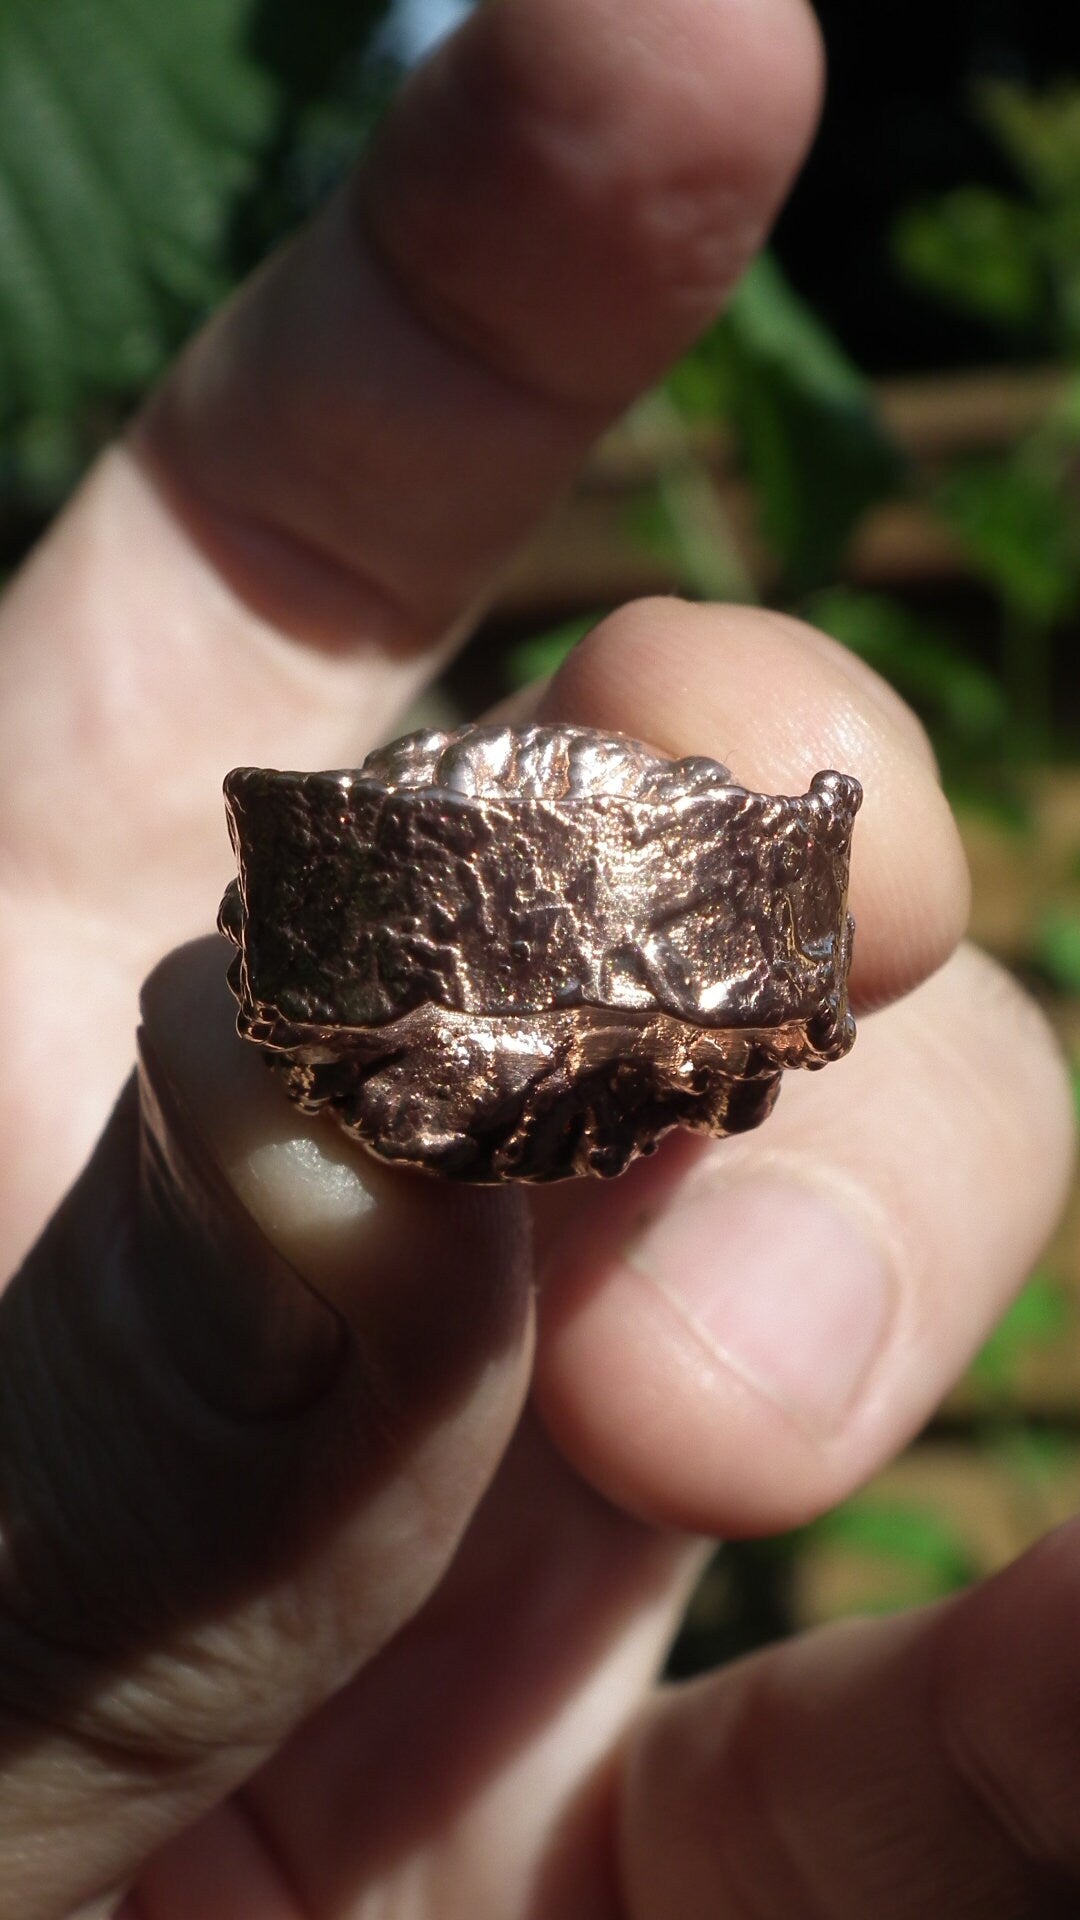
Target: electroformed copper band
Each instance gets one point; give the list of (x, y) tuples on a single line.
[(527, 953)]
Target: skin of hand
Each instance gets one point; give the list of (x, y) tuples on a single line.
[(345, 1517)]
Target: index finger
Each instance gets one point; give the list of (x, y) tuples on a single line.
[(340, 462), (338, 466)]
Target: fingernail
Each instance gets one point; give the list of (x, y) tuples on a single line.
[(240, 1323), (783, 1281)]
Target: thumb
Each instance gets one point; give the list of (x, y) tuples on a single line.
[(252, 1386)]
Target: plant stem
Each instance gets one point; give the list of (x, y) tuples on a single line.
[(706, 549)]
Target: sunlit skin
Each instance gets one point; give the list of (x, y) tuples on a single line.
[(347, 1517)]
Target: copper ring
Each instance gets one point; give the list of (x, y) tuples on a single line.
[(526, 953)]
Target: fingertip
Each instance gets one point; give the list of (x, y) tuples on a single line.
[(910, 881), (662, 637), (645, 148), (742, 1332)]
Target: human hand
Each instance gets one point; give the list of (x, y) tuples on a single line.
[(300, 1612)]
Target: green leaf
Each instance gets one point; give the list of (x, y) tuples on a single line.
[(114, 200), (1036, 1320), (920, 658), (913, 1536), (977, 250), (1056, 947), (1036, 1457), (812, 443), (540, 655), (701, 384), (1018, 523), (1040, 132), (133, 136), (1014, 261), (681, 517)]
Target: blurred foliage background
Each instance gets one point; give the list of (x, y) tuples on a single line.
[(882, 434)]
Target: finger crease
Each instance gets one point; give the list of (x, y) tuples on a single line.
[(274, 1856), (993, 1798), (464, 334)]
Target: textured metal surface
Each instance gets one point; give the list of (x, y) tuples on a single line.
[(525, 953)]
